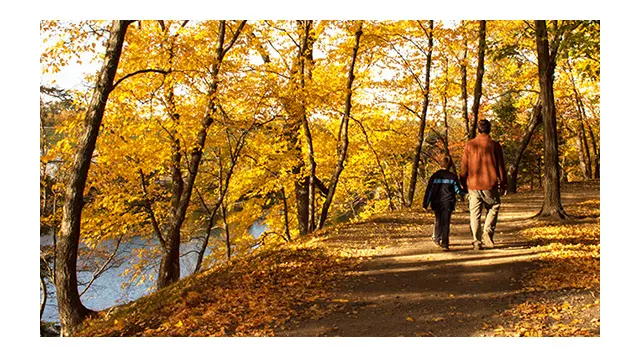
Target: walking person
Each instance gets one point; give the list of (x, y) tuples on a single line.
[(441, 194), (483, 174)]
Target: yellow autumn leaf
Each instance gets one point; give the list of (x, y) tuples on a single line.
[(340, 300)]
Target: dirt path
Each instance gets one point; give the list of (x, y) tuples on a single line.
[(409, 287)]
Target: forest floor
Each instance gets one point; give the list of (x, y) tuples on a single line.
[(384, 277), (540, 279)]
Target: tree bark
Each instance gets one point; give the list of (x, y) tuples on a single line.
[(534, 121), (552, 205), (585, 156), (43, 300), (584, 168), (463, 87), (305, 58), (423, 119), (445, 138), (300, 76), (477, 91), (596, 153), (169, 271), (287, 232), (380, 166), (71, 310), (302, 199), (227, 236), (223, 186), (344, 131)]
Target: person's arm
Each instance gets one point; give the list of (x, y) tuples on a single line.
[(464, 169), (427, 193), (502, 172), (458, 188)]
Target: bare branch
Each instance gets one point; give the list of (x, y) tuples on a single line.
[(147, 205), (102, 268), (136, 73)]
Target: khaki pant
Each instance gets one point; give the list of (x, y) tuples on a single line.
[(490, 199)]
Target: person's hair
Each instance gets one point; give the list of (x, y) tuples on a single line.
[(484, 126), (445, 162)]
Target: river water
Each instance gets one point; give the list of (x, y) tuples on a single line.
[(107, 290)]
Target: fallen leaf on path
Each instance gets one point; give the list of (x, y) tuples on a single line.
[(409, 319), (424, 334)]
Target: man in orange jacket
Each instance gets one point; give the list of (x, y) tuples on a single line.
[(484, 176)]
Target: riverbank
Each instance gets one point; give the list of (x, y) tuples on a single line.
[(383, 277)]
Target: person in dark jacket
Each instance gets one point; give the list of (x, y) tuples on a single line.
[(441, 194)]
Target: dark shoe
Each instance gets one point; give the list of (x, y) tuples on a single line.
[(486, 240), (445, 249)]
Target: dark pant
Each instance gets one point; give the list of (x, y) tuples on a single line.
[(441, 227)]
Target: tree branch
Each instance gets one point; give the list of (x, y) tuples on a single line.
[(102, 268), (235, 37), (147, 205), (136, 73)]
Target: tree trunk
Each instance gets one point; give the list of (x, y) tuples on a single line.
[(512, 172), (596, 153), (445, 139), (423, 120), (287, 233), (552, 205), (305, 58), (585, 156), (463, 87), (43, 300), (71, 310), (227, 236), (584, 166), (477, 91), (380, 166), (292, 128), (170, 264), (344, 131), (302, 199), (223, 187)]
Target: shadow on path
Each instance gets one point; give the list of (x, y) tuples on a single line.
[(409, 287)]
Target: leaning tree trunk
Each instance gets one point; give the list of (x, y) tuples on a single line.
[(169, 271), (423, 120), (71, 310), (552, 205), (581, 139), (512, 171), (344, 131), (477, 91)]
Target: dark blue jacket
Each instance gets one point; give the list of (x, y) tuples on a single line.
[(441, 191)]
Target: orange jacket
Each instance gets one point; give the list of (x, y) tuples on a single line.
[(483, 164)]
